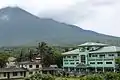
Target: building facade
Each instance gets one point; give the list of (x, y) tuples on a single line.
[(12, 73), (91, 56)]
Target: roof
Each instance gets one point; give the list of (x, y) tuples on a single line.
[(93, 44), (10, 59), (76, 51), (53, 66), (107, 49), (12, 69), (29, 62)]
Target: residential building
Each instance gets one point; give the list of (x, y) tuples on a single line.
[(91, 56), (32, 67), (12, 73)]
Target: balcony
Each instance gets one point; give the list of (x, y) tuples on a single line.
[(100, 59)]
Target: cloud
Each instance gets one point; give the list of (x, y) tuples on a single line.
[(98, 15)]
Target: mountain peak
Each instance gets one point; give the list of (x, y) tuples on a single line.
[(18, 27)]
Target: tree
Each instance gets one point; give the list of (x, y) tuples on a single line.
[(3, 59), (117, 61), (21, 56), (30, 56), (49, 55)]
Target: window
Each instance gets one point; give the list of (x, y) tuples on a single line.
[(5, 74), (68, 56), (92, 62), (66, 63), (99, 62), (94, 55), (118, 54), (83, 58), (14, 73), (102, 55), (37, 66), (111, 54), (72, 63), (21, 73), (30, 66), (77, 62), (89, 55), (71, 60), (65, 60), (108, 62), (30, 72), (74, 56), (64, 56)]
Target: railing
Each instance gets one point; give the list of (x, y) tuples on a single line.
[(100, 59)]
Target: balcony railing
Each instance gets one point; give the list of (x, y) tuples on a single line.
[(100, 59)]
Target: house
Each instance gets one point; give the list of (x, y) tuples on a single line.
[(91, 56), (32, 67), (12, 73)]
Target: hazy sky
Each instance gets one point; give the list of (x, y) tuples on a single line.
[(98, 15)]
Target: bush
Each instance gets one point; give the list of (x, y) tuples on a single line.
[(112, 76), (38, 76), (92, 77)]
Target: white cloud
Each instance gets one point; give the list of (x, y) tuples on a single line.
[(98, 15)]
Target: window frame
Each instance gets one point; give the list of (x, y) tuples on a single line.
[(15, 74), (30, 66)]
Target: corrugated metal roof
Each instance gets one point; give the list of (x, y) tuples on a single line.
[(29, 62), (93, 44), (107, 49), (76, 51), (12, 69)]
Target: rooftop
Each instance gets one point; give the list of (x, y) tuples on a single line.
[(107, 49), (29, 62), (93, 44), (12, 69), (76, 51)]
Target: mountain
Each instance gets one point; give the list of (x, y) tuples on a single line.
[(19, 27)]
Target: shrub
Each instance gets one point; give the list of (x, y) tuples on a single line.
[(92, 77), (38, 76), (112, 76)]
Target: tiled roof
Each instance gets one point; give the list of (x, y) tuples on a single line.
[(29, 62), (93, 44), (12, 69), (107, 49), (76, 51)]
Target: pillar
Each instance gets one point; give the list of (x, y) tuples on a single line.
[(95, 69), (74, 69), (103, 69), (69, 69), (79, 70), (114, 70)]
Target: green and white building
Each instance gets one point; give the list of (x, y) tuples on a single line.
[(91, 56)]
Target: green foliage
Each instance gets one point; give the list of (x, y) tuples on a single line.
[(112, 76), (117, 60), (40, 77), (94, 77), (3, 59), (49, 55)]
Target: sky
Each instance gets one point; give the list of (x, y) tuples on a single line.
[(102, 16)]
